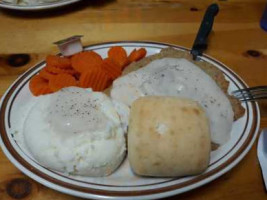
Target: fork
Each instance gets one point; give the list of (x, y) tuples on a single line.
[(251, 94)]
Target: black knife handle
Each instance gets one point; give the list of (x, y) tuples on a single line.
[(200, 43)]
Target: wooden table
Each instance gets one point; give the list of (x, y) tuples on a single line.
[(237, 40)]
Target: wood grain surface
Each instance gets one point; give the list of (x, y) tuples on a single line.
[(237, 40)]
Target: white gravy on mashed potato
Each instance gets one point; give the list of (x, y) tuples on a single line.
[(179, 77), (77, 131)]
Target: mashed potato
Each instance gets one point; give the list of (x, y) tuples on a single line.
[(76, 131)]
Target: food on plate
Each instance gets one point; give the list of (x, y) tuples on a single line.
[(39, 86), (46, 75), (179, 109), (178, 77), (168, 136), (216, 74), (56, 70), (124, 112), (60, 81), (170, 74), (85, 61), (85, 69), (58, 62), (119, 56), (136, 55), (77, 131), (111, 68), (96, 79)]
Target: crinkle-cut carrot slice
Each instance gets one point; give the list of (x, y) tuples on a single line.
[(87, 79), (86, 61), (133, 56), (136, 55), (39, 86), (112, 69), (103, 80), (119, 56), (96, 79), (57, 61), (77, 76), (56, 70), (46, 74), (60, 81)]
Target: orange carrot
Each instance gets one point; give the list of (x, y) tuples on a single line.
[(57, 70), (86, 61), (39, 86), (77, 76), (136, 55), (96, 79), (57, 61), (119, 56), (111, 68), (60, 81), (85, 69), (133, 56), (86, 79), (46, 74)]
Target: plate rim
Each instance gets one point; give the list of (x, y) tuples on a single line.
[(50, 5), (97, 195)]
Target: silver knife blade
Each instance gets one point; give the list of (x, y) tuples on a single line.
[(262, 154)]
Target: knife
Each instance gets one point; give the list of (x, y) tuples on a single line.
[(200, 43), (263, 21), (262, 154)]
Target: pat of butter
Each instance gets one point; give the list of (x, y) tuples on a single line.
[(70, 46)]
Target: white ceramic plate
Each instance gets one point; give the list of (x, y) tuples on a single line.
[(122, 184), (43, 6)]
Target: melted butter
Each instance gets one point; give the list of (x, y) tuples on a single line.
[(179, 77)]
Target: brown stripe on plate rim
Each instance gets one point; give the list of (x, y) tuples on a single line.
[(122, 193)]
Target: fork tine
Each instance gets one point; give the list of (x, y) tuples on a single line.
[(257, 88), (251, 94), (253, 98)]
